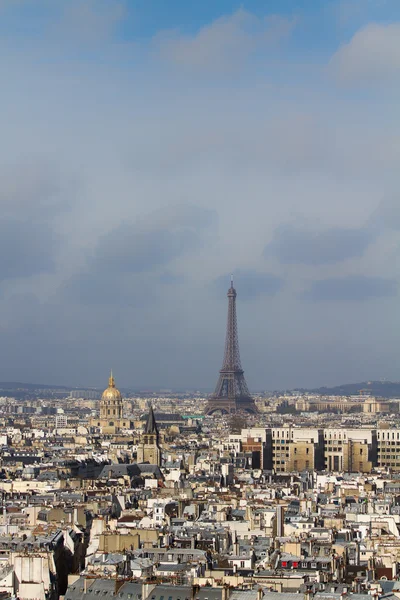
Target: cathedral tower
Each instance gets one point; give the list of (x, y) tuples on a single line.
[(149, 446)]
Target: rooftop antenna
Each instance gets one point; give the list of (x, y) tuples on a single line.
[(232, 280)]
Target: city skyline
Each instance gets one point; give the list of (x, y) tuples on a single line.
[(148, 153)]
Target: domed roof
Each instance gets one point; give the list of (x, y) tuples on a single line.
[(111, 393)]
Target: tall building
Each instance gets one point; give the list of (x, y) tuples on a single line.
[(149, 446), (61, 421), (231, 393)]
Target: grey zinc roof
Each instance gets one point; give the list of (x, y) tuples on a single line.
[(113, 471), (280, 596), (208, 593), (171, 592), (130, 591), (148, 468), (243, 595)]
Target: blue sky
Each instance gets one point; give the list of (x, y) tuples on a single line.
[(151, 148)]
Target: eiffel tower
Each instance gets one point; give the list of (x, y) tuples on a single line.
[(231, 393)]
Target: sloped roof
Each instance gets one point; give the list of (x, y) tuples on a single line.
[(151, 425), (114, 471)]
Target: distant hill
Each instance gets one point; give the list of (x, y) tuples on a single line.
[(15, 385), (383, 389)]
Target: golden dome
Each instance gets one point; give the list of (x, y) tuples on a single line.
[(111, 393)]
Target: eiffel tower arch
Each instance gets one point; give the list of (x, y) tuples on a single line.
[(231, 393)]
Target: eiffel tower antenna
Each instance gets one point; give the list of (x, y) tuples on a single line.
[(231, 393)]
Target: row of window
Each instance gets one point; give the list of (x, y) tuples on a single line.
[(389, 435), (380, 435), (385, 444), (303, 565)]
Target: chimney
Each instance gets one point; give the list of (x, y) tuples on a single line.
[(195, 591), (236, 545), (146, 589), (260, 593), (225, 593)]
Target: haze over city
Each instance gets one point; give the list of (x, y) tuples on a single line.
[(151, 148)]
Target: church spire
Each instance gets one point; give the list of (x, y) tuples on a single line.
[(151, 425), (111, 380)]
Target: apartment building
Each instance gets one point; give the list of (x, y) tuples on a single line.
[(388, 448), (287, 449)]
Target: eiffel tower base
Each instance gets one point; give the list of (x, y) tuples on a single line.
[(229, 406)]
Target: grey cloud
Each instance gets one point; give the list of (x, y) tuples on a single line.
[(251, 283), (113, 289), (292, 245), (387, 215), (353, 288), (35, 188), (26, 249), (169, 278), (131, 251), (153, 241), (178, 216), (132, 258)]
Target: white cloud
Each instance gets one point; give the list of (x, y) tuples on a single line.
[(224, 44), (372, 56)]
